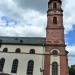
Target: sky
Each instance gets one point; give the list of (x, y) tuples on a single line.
[(28, 18)]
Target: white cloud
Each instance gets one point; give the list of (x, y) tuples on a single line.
[(69, 17), (29, 25), (71, 55), (71, 49), (23, 18), (34, 18)]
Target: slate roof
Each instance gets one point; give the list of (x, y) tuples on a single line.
[(4, 74), (22, 40)]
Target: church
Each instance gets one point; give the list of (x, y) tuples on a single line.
[(37, 55)]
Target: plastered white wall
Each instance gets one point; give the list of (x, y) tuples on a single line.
[(22, 58)]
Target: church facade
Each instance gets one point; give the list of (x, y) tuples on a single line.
[(36, 55), (16, 54)]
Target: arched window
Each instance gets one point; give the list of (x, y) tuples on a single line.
[(14, 66), (2, 61), (32, 51), (54, 68), (30, 67), (54, 5), (55, 52), (54, 20), (5, 50), (18, 50)]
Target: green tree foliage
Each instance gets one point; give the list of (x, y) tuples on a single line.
[(71, 71)]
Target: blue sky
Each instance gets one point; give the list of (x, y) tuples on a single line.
[(71, 36), (70, 41), (29, 18)]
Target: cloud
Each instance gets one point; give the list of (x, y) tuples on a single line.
[(71, 49), (25, 26), (22, 18), (33, 12), (71, 55), (69, 17), (22, 31), (38, 5)]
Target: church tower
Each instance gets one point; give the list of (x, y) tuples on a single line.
[(55, 61)]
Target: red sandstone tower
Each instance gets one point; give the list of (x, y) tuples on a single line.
[(55, 54)]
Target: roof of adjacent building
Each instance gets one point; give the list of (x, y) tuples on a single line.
[(4, 74), (23, 40)]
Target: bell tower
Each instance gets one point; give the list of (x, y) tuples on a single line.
[(55, 61), (55, 29)]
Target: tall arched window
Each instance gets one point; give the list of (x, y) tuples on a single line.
[(2, 61), (54, 68), (5, 50), (14, 66), (18, 50), (54, 20), (54, 5), (30, 67), (32, 51)]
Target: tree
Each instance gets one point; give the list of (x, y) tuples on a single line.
[(71, 71)]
